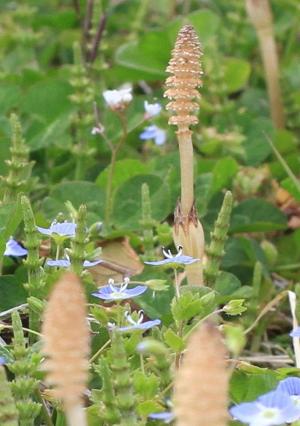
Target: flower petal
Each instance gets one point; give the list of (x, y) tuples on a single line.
[(143, 326), (88, 264), (13, 248), (291, 386), (59, 263)]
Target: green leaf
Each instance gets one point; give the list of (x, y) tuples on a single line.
[(203, 192), (226, 283), (78, 192), (10, 95), (223, 172), (127, 202), (175, 342), (148, 54), (147, 407), (48, 98), (124, 169), (247, 387), (257, 149), (10, 218), (236, 74), (257, 215), (206, 23), (157, 285), (291, 187), (145, 386), (151, 53), (55, 133), (235, 307), (12, 292), (189, 305)]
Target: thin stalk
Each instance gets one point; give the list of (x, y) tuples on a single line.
[(196, 325), (10, 327), (95, 356), (266, 309), (186, 170), (284, 164), (76, 416), (44, 410), (260, 14), (111, 170), (177, 285)]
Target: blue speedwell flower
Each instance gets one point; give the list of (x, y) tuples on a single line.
[(291, 386), (172, 261), (151, 110), (165, 417), (136, 325), (154, 132), (13, 248), (295, 332), (65, 263), (64, 229), (273, 408), (112, 291)]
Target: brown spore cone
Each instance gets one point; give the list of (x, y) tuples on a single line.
[(185, 79)]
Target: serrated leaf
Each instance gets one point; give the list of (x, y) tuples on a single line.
[(146, 385), (174, 341), (189, 305)]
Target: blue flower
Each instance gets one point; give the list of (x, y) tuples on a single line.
[(2, 360), (165, 417), (273, 408), (291, 386), (173, 261), (295, 332), (151, 110), (13, 248), (64, 229), (138, 324), (112, 292), (65, 263), (154, 132)]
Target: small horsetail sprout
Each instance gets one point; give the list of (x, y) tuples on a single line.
[(79, 241), (125, 401), (182, 92), (24, 367), (8, 410), (19, 165), (215, 250), (36, 282), (66, 344), (201, 384), (260, 14), (107, 406)]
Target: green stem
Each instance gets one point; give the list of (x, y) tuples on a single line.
[(95, 356), (177, 286), (109, 186), (219, 311), (44, 409)]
